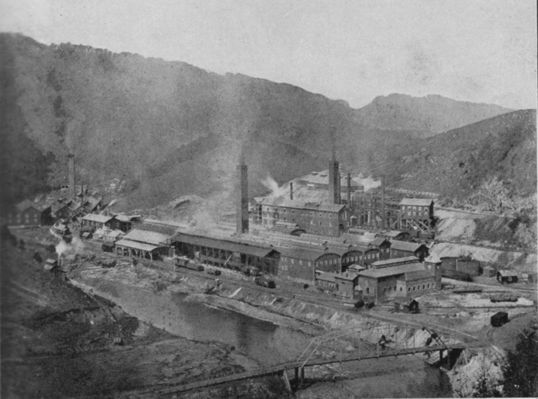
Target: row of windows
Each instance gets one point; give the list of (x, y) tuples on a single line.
[(417, 287), (416, 207), (27, 218)]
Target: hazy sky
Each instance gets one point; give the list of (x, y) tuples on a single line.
[(476, 50)]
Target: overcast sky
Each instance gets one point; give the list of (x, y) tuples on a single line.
[(475, 50)]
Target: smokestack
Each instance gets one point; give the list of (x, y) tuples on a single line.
[(71, 175), (334, 181), (383, 214), (349, 189), (242, 200), (291, 190)]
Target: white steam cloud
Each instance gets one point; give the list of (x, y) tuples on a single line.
[(367, 182), (272, 185), (69, 250)]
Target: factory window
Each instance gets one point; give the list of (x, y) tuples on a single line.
[(400, 288), (293, 261), (301, 262)]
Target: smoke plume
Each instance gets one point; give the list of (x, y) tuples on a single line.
[(272, 185), (367, 182), (69, 250)]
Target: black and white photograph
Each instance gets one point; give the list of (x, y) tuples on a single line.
[(265, 199)]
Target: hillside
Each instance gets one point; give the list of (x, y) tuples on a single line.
[(428, 115), (169, 129), (457, 163)]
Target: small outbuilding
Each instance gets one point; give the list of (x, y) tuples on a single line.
[(97, 221), (507, 276)]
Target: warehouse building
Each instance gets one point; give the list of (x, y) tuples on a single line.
[(145, 244), (394, 262), (341, 284), (315, 218), (96, 221), (228, 253), (397, 281), (301, 263), (28, 213), (400, 249), (416, 213)]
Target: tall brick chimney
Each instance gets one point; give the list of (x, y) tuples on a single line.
[(383, 210), (291, 190), (334, 181), (242, 200), (71, 176), (349, 189)]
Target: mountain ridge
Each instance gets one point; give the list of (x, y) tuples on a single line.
[(149, 122)]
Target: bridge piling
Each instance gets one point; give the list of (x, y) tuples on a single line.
[(286, 381)]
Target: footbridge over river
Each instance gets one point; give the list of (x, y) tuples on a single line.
[(389, 342)]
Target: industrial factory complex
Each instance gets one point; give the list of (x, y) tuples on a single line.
[(326, 229)]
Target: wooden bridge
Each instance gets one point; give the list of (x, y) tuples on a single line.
[(298, 367)]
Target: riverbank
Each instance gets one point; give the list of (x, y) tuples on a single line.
[(58, 341), (294, 321)]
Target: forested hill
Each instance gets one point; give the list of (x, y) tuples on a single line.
[(169, 128)]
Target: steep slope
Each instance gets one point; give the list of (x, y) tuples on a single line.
[(429, 115), (458, 162), (168, 128)]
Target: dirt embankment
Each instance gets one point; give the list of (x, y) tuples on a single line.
[(58, 341)]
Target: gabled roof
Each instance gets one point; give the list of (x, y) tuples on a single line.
[(417, 275), (148, 237), (224, 244), (301, 253), (416, 201), (405, 245), (392, 271), (93, 201), (136, 245), (393, 233), (385, 262), (93, 217), (24, 205), (127, 218), (378, 241), (507, 273)]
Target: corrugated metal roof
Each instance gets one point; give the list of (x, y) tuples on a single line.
[(93, 217), (392, 271), (405, 245), (416, 201), (148, 237), (136, 245), (224, 244)]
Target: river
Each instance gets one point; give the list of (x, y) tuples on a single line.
[(268, 343)]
